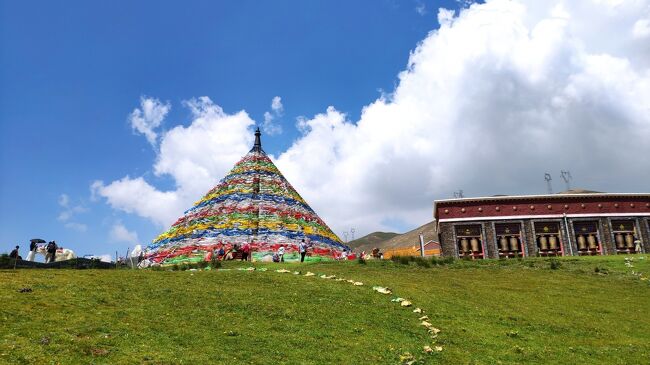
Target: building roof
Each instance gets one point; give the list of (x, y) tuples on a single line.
[(579, 193), (571, 202)]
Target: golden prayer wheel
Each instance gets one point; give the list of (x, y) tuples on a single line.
[(552, 240), (514, 243), (503, 243), (474, 243), (620, 240), (629, 240), (592, 241), (464, 245), (582, 243), (543, 243)]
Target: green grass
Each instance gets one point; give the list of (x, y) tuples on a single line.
[(589, 310)]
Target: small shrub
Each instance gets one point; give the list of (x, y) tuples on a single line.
[(601, 270), (555, 264), (215, 263), (175, 267), (404, 260), (202, 264), (421, 261), (184, 267), (446, 260)]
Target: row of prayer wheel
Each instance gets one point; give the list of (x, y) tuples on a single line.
[(624, 240), (587, 242), (509, 243), (472, 243), (548, 242)]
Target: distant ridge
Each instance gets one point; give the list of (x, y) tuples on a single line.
[(388, 240), (370, 241)]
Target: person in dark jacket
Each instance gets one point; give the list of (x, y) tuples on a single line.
[(14, 254), (51, 252)]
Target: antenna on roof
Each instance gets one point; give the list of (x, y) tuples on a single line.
[(548, 179), (459, 194), (566, 176)]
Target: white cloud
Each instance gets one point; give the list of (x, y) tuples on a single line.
[(148, 117), (276, 105), (196, 157), (420, 8), (269, 126), (64, 200), (641, 28), (105, 258), (119, 233), (79, 227), (502, 93), (68, 213)]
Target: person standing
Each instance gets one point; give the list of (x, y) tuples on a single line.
[(32, 251), (14, 254), (51, 252), (303, 250), (246, 250), (281, 253)]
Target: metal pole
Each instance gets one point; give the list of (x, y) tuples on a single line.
[(568, 236), (421, 245)]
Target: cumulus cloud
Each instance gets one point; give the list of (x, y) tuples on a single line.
[(641, 28), (119, 233), (420, 7), (269, 126), (79, 227), (69, 211), (500, 94), (196, 157), (146, 119)]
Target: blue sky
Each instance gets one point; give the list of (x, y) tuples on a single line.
[(71, 74), (115, 117)]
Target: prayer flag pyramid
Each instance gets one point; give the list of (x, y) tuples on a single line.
[(252, 204)]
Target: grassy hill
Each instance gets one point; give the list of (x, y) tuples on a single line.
[(368, 242), (573, 310), (387, 241)]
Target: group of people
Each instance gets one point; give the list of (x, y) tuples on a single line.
[(302, 249), (245, 251), (50, 252)]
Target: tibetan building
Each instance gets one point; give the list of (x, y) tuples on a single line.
[(565, 224)]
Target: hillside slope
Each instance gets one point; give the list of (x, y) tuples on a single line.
[(410, 238), (374, 239)]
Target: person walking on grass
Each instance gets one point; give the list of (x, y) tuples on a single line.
[(303, 250)]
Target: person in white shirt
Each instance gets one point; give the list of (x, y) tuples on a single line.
[(281, 253), (303, 250)]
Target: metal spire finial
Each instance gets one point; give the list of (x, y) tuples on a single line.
[(257, 147)]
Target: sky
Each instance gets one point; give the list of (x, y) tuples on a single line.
[(116, 117)]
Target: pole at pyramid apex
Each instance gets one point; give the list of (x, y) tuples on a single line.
[(257, 147)]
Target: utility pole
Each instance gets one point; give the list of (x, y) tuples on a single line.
[(566, 176), (548, 179), (352, 232)]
